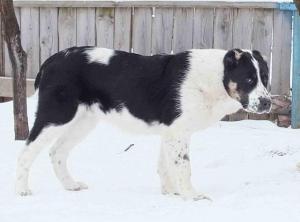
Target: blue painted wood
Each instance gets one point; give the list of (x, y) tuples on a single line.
[(296, 73), (287, 6)]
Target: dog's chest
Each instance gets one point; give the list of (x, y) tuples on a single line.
[(201, 112)]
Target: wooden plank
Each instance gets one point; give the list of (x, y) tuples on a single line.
[(203, 28), (296, 74), (1, 49), (223, 26), (105, 27), (281, 53), (122, 32), (6, 87), (145, 3), (242, 23), (262, 32), (242, 28), (162, 30), (86, 33), (7, 63), (262, 41), (48, 32), (239, 115), (141, 31), (30, 39), (183, 29), (66, 28)]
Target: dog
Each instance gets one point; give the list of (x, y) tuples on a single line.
[(171, 95)]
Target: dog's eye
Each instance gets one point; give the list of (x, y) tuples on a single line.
[(249, 81)]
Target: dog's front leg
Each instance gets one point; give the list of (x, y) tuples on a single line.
[(175, 168)]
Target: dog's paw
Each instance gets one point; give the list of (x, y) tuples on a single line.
[(76, 186), (167, 190), (24, 192)]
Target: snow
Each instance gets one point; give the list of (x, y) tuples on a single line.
[(248, 168)]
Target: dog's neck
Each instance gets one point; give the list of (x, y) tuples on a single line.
[(205, 82)]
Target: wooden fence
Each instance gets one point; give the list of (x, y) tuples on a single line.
[(147, 28)]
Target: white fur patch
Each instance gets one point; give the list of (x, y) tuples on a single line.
[(203, 98), (100, 55)]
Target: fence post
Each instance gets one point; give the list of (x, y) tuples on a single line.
[(296, 73), (296, 64)]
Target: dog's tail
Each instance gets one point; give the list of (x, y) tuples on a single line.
[(40, 73), (37, 80)]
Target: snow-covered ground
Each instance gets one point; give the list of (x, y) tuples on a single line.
[(248, 168)]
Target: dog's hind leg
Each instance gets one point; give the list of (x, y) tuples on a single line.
[(39, 137), (57, 107), (77, 130)]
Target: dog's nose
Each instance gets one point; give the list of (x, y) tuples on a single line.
[(265, 104)]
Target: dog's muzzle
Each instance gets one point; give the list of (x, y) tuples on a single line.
[(265, 105), (260, 106)]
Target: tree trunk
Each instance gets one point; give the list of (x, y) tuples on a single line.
[(18, 60)]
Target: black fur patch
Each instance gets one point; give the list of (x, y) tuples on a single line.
[(147, 86)]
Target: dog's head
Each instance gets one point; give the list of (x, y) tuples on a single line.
[(246, 77)]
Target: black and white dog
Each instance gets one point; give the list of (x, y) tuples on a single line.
[(170, 95)]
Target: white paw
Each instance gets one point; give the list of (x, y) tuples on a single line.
[(76, 186), (24, 192)]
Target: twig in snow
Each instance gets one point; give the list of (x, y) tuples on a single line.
[(131, 145)]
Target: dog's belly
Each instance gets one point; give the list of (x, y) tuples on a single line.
[(126, 121)]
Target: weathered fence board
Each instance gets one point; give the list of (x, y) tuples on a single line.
[(1, 50), (85, 31), (141, 31), (66, 27), (48, 33), (122, 31), (223, 28), (105, 27), (7, 64), (262, 34), (242, 38), (203, 33), (183, 29), (162, 30), (242, 28), (144, 3), (6, 87), (30, 41), (281, 53), (262, 40)]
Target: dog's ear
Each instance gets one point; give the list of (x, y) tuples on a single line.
[(231, 58)]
